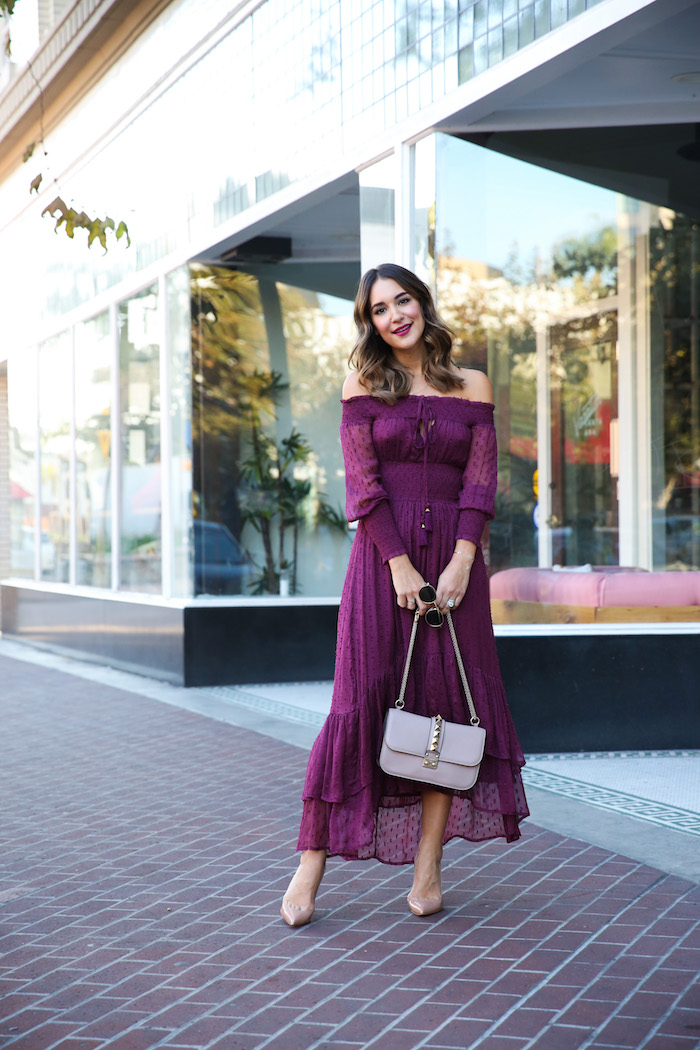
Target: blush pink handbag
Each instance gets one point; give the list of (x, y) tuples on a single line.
[(432, 750)]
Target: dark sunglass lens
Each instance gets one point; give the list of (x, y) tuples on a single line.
[(434, 617), (427, 594)]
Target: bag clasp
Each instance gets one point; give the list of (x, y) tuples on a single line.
[(432, 755)]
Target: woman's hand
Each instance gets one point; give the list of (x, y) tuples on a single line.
[(454, 578), (407, 582)]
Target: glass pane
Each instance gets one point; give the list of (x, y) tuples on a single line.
[(139, 387), (22, 408), (506, 275), (674, 267), (55, 373), (583, 391), (180, 336), (377, 218), (269, 363), (229, 360), (93, 405), (318, 335), (424, 209)]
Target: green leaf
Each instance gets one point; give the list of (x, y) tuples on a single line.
[(123, 231), (69, 218), (35, 183), (96, 228), (29, 152)]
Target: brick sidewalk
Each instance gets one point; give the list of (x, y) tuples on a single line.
[(145, 851)]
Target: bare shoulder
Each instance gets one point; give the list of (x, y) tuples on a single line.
[(352, 387), (477, 385)]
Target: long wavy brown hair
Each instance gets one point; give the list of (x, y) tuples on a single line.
[(377, 369)]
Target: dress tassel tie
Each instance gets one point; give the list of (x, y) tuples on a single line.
[(424, 437)]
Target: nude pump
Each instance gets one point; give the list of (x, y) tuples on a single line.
[(298, 915), (427, 905), (421, 906), (293, 915)]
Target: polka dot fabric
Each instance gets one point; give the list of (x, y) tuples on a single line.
[(420, 475)]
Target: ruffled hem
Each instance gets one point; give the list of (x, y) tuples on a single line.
[(389, 829)]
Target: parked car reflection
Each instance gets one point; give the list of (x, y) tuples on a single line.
[(221, 565)]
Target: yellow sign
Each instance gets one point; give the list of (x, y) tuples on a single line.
[(104, 438), (535, 485)]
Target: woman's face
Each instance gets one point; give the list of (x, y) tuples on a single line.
[(396, 315)]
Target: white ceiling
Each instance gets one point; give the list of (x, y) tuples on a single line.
[(607, 110), (623, 75)]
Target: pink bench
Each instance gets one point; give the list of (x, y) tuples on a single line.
[(598, 593)]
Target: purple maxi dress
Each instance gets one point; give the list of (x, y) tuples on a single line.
[(420, 474)]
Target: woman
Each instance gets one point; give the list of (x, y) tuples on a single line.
[(420, 460)]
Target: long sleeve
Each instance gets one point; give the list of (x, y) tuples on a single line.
[(478, 493), (366, 499)]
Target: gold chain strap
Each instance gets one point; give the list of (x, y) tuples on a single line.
[(400, 701)]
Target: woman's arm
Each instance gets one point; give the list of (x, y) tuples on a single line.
[(367, 500)]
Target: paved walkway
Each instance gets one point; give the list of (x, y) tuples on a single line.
[(145, 850)]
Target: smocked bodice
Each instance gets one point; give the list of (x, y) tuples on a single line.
[(423, 449)]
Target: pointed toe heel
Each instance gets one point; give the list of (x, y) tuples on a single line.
[(295, 916), (424, 907)]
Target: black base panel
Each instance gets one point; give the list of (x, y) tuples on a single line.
[(603, 693), (239, 645)]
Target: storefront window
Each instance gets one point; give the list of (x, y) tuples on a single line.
[(22, 408), (269, 362), (557, 291), (55, 401), (139, 385), (93, 401)]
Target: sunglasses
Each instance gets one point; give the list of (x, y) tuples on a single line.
[(433, 616)]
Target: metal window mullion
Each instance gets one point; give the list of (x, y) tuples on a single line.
[(37, 468), (115, 449), (72, 474), (544, 449), (646, 391), (628, 334), (166, 443), (405, 204)]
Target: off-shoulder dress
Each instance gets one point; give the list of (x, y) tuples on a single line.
[(420, 474)]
